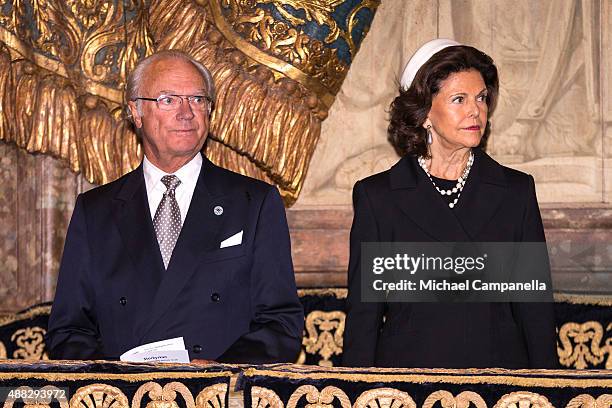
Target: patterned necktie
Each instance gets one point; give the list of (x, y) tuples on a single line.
[(167, 219)]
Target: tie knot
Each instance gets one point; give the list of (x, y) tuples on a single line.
[(171, 182)]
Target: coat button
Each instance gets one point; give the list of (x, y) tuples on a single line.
[(215, 297), (197, 348), (122, 301)]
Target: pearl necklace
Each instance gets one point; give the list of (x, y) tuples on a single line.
[(460, 182)]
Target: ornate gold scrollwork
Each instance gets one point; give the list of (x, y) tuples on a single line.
[(212, 397), (325, 331), (316, 399), (523, 399), (265, 398), (65, 63), (99, 396), (581, 345), (587, 401), (163, 397), (30, 342), (316, 64), (384, 398), (2, 350), (447, 400)]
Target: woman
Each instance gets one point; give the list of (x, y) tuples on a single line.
[(445, 188)]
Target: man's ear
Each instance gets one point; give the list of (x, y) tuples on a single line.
[(135, 114)]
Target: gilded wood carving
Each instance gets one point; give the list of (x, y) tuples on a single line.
[(278, 65)]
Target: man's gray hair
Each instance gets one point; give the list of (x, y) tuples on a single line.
[(134, 79)]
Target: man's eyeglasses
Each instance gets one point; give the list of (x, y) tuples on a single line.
[(172, 102)]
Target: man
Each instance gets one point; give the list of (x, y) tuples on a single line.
[(179, 246)]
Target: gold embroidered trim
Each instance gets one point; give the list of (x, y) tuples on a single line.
[(29, 314), (523, 399), (584, 299), (324, 399), (99, 396), (212, 396), (385, 398), (131, 377), (587, 401), (324, 334), (262, 397), (339, 293), (163, 397), (447, 399), (431, 376), (581, 344)]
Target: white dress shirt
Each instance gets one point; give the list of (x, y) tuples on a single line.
[(188, 174)]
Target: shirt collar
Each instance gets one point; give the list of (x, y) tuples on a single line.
[(188, 174)]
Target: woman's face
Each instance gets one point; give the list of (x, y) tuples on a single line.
[(458, 114)]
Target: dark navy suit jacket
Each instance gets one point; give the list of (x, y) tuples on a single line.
[(233, 304), (498, 204)]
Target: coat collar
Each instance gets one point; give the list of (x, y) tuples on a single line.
[(405, 173), (414, 194)]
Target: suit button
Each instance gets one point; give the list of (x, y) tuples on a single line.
[(197, 348), (122, 301), (215, 297)]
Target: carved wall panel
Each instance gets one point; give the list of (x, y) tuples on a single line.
[(553, 115)]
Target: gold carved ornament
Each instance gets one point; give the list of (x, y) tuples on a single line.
[(30, 343), (262, 397), (2, 351), (212, 396), (523, 399), (316, 399), (63, 69), (99, 396), (581, 345), (57, 91), (587, 401), (447, 400), (324, 334), (39, 398), (162, 397), (384, 398)]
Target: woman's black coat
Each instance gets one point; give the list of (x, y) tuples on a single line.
[(498, 204)]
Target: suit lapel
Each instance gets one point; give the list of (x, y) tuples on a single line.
[(132, 216), (482, 195), (414, 194), (199, 234)]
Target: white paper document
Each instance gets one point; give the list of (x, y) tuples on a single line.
[(164, 351)]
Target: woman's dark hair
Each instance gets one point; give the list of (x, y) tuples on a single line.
[(409, 110)]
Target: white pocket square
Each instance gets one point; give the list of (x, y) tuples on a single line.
[(235, 239)]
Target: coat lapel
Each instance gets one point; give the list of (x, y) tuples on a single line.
[(132, 216), (482, 195), (414, 194), (199, 234)]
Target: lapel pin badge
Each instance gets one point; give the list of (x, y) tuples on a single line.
[(218, 210)]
